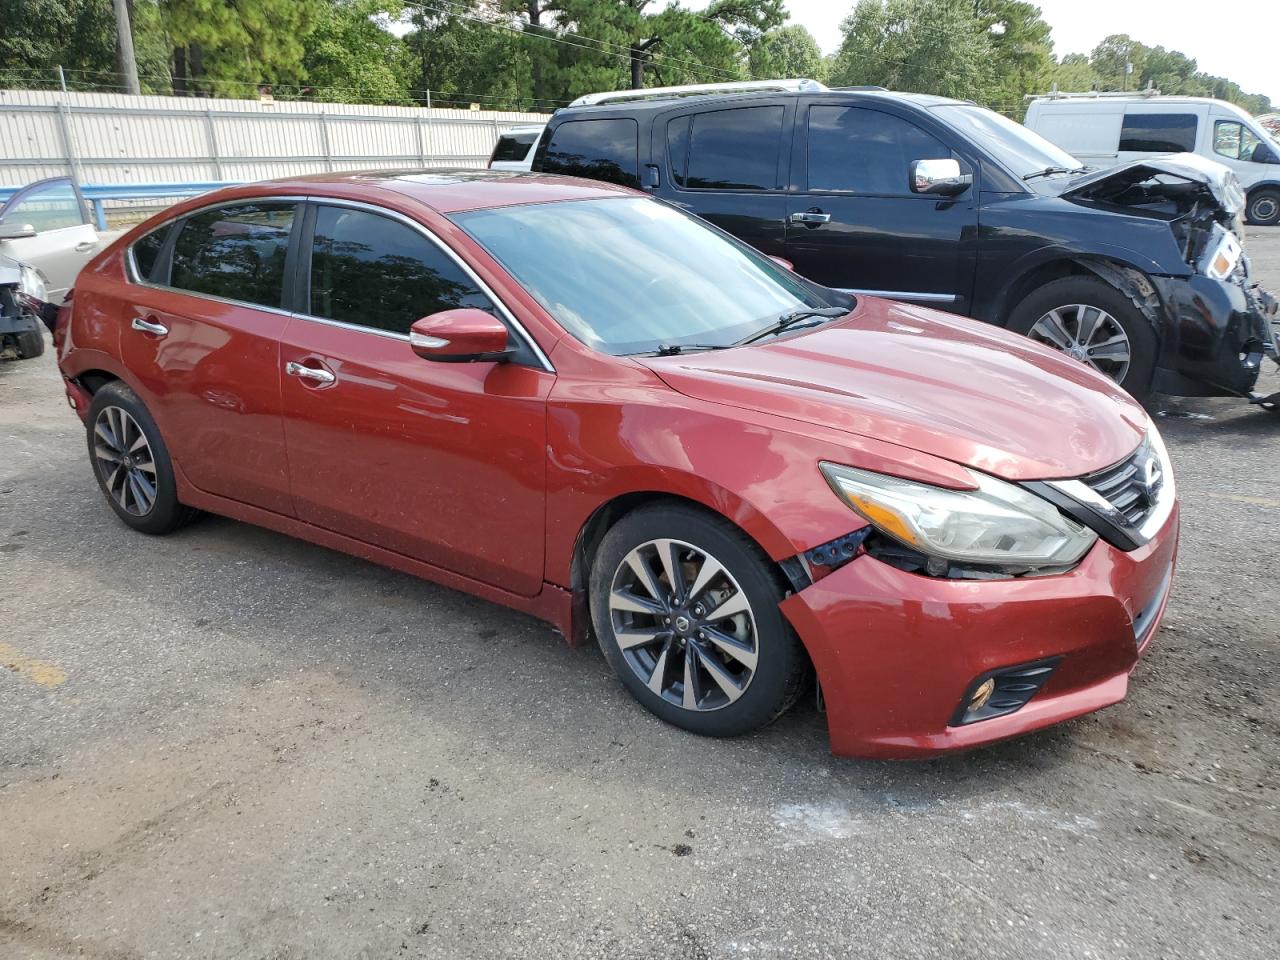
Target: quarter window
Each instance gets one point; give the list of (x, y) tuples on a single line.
[(854, 150), (373, 271), (1158, 132), (731, 150), (147, 250), (236, 252), (596, 149), (1234, 140)]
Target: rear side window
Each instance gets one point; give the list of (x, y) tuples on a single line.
[(235, 252), (147, 251), (728, 150), (514, 146), (596, 149), (372, 271), (1158, 132), (854, 150)]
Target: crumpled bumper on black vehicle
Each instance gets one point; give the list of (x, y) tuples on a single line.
[(1218, 333)]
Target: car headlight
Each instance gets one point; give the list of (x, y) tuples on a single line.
[(31, 283), (1221, 259), (998, 524)]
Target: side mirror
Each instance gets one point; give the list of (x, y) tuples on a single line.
[(784, 263), (16, 231), (1262, 153), (939, 177), (460, 336)]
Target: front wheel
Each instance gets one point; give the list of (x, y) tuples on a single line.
[(1263, 208), (685, 608), (1093, 322)]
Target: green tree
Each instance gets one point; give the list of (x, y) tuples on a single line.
[(1021, 49), (1074, 74), (352, 58), (924, 46), (1109, 59), (788, 51), (462, 61), (36, 36)]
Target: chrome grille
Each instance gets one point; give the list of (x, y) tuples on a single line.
[(1128, 486)]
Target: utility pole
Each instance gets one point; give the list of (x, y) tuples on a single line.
[(126, 65)]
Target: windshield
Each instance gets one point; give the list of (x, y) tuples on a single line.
[(630, 275), (1021, 150)]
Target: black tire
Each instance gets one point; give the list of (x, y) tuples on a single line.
[(30, 343), (781, 666), (1263, 207), (165, 514), (1094, 292)]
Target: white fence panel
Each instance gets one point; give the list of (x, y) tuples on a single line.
[(116, 138)]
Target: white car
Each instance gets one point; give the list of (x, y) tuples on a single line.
[(46, 236), (515, 147), (1103, 129)]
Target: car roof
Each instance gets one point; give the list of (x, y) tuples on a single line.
[(450, 190), (666, 103)]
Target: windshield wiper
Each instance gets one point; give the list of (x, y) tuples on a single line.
[(789, 320), (675, 349), (1050, 171)]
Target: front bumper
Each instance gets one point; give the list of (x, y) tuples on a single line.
[(896, 652), (1217, 334)]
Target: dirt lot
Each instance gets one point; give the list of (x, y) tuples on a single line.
[(227, 743)]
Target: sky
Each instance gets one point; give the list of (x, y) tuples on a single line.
[(1219, 35)]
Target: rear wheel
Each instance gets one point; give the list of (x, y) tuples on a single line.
[(1263, 207), (30, 343), (1093, 322), (685, 608), (131, 462)]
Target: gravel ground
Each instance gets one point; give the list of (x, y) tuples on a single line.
[(227, 743)]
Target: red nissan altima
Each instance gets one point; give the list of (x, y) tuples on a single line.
[(585, 404)]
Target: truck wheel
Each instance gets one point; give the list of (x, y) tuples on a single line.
[(131, 462), (685, 608), (1093, 322), (30, 343), (1263, 208)]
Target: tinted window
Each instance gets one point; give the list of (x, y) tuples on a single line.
[(735, 149), (865, 151), (514, 146), (678, 147), (235, 252), (375, 272), (147, 250), (1158, 132), (1234, 140), (596, 149)]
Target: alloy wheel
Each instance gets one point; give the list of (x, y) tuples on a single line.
[(684, 625), (1089, 334), (124, 461)]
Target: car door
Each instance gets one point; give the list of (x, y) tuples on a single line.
[(200, 333), (853, 222), (62, 238), (729, 166), (442, 462)]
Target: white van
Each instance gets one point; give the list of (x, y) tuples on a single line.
[(1102, 129), (515, 146)]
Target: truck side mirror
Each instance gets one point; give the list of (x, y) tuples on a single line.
[(939, 177)]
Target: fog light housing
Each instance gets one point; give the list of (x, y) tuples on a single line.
[(1002, 692)]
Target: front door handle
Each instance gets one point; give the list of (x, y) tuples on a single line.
[(147, 326), (811, 216), (308, 373), (85, 246)]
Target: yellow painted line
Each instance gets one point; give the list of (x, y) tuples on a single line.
[(1234, 498), (37, 671)]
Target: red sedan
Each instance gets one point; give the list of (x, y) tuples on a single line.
[(580, 402)]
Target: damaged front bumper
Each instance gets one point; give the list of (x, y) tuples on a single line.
[(1217, 335)]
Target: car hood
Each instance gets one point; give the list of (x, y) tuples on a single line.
[(1218, 180), (929, 381)]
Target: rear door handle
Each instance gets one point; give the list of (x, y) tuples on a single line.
[(146, 326), (85, 246), (308, 373), (811, 216)]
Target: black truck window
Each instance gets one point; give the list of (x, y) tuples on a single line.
[(596, 149), (853, 150), (727, 149)]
